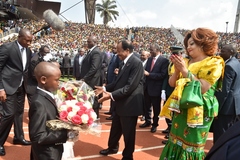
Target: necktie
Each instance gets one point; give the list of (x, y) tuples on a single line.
[(153, 62), (24, 57), (121, 66), (88, 51)]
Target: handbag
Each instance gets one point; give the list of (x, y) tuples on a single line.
[(191, 94)]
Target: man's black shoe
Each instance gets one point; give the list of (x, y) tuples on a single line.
[(166, 131), (109, 118), (107, 151), (164, 141), (2, 151), (153, 129), (108, 113), (21, 142), (144, 125)]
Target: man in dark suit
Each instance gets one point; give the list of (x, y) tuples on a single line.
[(104, 66), (14, 62), (77, 63), (229, 97), (66, 64), (32, 82), (111, 76), (91, 68), (155, 73), (127, 95), (227, 146), (144, 57)]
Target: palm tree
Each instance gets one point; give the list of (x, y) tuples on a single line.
[(107, 10)]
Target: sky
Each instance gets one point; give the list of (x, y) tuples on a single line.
[(184, 14)]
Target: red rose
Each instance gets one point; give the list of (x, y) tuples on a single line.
[(88, 112), (90, 121), (80, 104), (80, 112), (69, 109), (83, 108), (63, 115), (76, 119)]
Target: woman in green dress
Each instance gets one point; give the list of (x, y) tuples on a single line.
[(190, 126)]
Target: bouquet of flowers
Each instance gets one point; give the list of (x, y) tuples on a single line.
[(74, 100)]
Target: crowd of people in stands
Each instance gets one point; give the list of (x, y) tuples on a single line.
[(75, 34), (102, 42)]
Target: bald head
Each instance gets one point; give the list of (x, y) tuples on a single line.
[(46, 69), (228, 51), (24, 32)]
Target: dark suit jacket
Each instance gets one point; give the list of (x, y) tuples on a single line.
[(227, 146), (91, 68), (66, 62), (127, 89), (11, 68), (77, 66), (113, 64), (32, 82), (154, 82), (45, 141), (229, 97), (104, 66)]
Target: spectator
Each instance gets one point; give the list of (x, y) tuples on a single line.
[(14, 62), (229, 97), (77, 63), (66, 64)]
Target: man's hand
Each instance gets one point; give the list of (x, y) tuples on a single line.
[(98, 90), (3, 96), (116, 71), (146, 73), (106, 96)]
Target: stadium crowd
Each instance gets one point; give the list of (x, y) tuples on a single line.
[(75, 37), (75, 34)]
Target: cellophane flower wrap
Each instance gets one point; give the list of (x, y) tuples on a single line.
[(74, 100)]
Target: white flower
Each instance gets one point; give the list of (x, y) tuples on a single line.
[(75, 108), (87, 104), (63, 107), (71, 103), (48, 57), (93, 115), (70, 115), (84, 118)]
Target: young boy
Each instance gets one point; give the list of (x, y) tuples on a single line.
[(46, 143)]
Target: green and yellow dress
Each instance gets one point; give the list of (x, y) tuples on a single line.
[(190, 126)]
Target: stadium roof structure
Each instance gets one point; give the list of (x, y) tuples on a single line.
[(25, 13), (18, 12)]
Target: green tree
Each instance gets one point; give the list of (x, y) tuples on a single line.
[(107, 10)]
